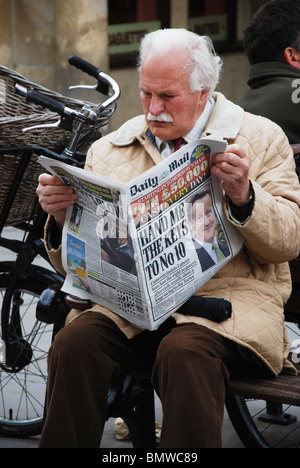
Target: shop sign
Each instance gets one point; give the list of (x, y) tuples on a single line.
[(213, 26), (124, 38)]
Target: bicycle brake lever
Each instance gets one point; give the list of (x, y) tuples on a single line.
[(101, 87), (35, 127), (84, 87)]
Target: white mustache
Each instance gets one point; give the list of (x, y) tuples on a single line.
[(162, 117)]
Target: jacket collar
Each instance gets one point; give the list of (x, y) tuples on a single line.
[(129, 131), (225, 121), (226, 118), (270, 70)]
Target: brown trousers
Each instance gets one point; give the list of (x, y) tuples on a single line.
[(191, 367)]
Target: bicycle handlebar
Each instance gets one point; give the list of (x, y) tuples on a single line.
[(41, 99), (92, 70), (105, 82), (84, 66), (86, 114), (95, 116)]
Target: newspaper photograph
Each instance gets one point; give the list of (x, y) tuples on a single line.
[(143, 248)]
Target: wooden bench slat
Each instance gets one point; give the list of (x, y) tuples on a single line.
[(282, 389)]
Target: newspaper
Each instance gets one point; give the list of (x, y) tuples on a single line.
[(143, 248)]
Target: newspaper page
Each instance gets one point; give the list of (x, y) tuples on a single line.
[(143, 248)]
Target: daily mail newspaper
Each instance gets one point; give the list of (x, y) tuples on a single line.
[(144, 248)]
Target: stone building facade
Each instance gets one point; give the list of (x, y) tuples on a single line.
[(38, 36)]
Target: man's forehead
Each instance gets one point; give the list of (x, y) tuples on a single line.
[(176, 60), (161, 86), (164, 78)]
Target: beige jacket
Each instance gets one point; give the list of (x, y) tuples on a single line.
[(257, 281)]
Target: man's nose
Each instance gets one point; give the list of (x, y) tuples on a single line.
[(156, 106)]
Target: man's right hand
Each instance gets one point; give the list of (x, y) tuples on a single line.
[(55, 197)]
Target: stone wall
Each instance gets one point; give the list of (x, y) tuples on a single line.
[(27, 39), (38, 36)]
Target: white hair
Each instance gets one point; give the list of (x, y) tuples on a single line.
[(203, 64)]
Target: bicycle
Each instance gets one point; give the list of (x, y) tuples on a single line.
[(25, 339)]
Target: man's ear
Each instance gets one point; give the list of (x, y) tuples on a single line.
[(205, 93), (292, 57)]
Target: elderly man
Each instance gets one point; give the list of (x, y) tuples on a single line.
[(191, 357)]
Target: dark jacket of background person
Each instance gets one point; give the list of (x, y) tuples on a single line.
[(275, 93)]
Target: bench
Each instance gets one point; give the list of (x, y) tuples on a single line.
[(283, 389)]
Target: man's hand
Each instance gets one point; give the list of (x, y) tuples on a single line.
[(55, 197), (232, 167)]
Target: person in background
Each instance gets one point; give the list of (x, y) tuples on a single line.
[(272, 45)]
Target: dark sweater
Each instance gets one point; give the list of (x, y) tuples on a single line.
[(273, 89)]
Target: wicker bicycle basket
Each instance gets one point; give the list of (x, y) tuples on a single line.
[(15, 115)]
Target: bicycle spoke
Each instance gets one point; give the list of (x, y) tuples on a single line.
[(23, 389)]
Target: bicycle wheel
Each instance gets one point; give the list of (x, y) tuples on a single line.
[(252, 418), (23, 376), (248, 419)]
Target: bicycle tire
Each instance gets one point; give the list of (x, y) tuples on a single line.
[(22, 391), (260, 426), (243, 422), (245, 417)]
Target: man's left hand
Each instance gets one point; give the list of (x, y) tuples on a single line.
[(232, 167)]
